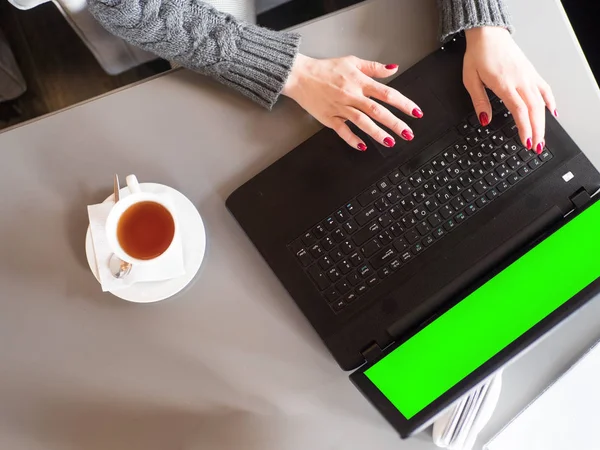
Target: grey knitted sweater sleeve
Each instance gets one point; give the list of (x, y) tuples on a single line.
[(254, 60)]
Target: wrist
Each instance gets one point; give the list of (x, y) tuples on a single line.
[(293, 80), (484, 32)]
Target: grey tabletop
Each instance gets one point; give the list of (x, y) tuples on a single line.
[(230, 362)]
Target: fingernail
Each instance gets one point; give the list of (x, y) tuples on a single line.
[(484, 119), (417, 113), (388, 141), (556, 113), (362, 147), (391, 66), (529, 144), (407, 134), (540, 148)]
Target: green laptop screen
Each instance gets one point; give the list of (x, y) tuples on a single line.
[(462, 339)]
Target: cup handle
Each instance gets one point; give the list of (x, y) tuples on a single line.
[(132, 184)]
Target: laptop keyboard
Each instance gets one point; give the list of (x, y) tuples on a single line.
[(400, 217)]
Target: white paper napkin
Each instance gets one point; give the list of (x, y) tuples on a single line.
[(171, 264)]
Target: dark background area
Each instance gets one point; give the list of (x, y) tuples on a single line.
[(60, 71)]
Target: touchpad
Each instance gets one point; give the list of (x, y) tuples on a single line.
[(436, 119)]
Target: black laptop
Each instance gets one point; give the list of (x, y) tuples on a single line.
[(378, 249)]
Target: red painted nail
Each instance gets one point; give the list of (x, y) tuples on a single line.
[(391, 66), (362, 147), (407, 134), (556, 113), (529, 144), (417, 113), (484, 119), (388, 141), (540, 148)]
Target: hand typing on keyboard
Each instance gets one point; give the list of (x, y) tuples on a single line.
[(494, 60)]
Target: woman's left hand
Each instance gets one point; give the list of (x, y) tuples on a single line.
[(494, 60)]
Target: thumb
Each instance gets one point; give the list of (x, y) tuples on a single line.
[(479, 97), (376, 70)]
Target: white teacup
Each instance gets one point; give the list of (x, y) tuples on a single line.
[(116, 213)]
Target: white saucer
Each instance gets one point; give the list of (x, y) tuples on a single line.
[(193, 237)]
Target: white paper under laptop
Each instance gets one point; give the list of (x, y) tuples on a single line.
[(566, 416)]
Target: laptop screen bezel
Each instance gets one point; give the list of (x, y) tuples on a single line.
[(408, 427)]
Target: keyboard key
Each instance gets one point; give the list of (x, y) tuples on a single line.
[(417, 248), (363, 217), (480, 187), (497, 138), (416, 180), (454, 188), (503, 186), (510, 130), (465, 162), (338, 305), (449, 225), (450, 156), (469, 195), (333, 274), (309, 238), (406, 256), (545, 156), (514, 162), (325, 262), (500, 156), (331, 294), (481, 202), (458, 203), (464, 128), (513, 178), (366, 233), (318, 277), (427, 171), (453, 171), (442, 179), (439, 232), (431, 204), (400, 245), (382, 204), (352, 207), (343, 287), (346, 247), (338, 236), (502, 171), (472, 140), (336, 255), (471, 209), (395, 264), (476, 155), (477, 171), (419, 212), (511, 147), (408, 204), (439, 164), (423, 228), (487, 147), (329, 224), (491, 179), (350, 226), (419, 195), (488, 163), (396, 229), (430, 187), (371, 247), (385, 238), (396, 213), (368, 196), (412, 236), (473, 120), (409, 221), (354, 279), (447, 211), (383, 257), (428, 241), (319, 231), (405, 188), (316, 251), (385, 220), (349, 297), (524, 171), (492, 194), (461, 147), (395, 177), (393, 196), (466, 180), (434, 220), (342, 215), (534, 164), (384, 185), (365, 271), (484, 132), (525, 155), (360, 290), (304, 258), (373, 280), (443, 196), (460, 217), (344, 266), (384, 272), (327, 243), (355, 259)]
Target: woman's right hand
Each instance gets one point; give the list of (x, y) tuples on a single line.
[(338, 90)]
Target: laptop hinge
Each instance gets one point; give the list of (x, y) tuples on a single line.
[(580, 198), (372, 353)]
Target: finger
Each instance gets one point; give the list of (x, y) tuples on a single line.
[(364, 122), (479, 97), (374, 69), (383, 115), (518, 109), (392, 97), (548, 97), (343, 131), (537, 116)]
